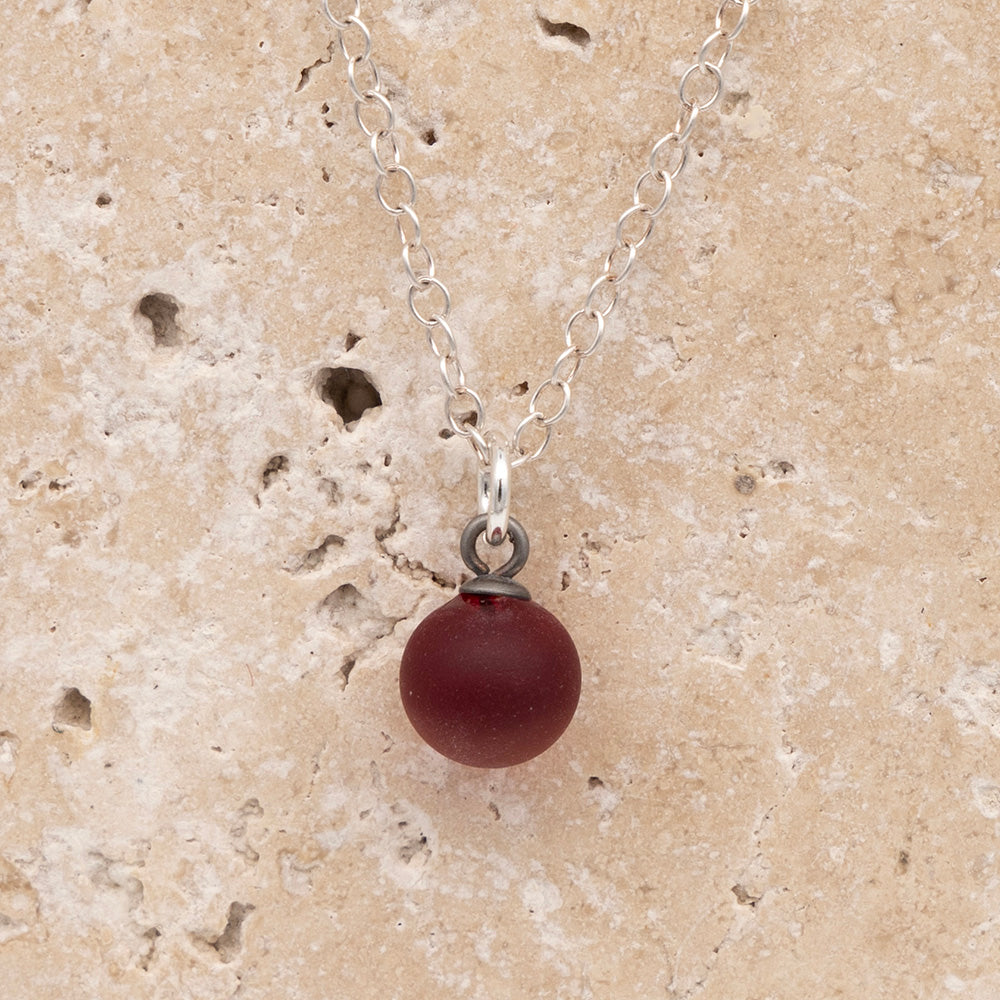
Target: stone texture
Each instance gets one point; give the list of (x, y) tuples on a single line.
[(770, 521)]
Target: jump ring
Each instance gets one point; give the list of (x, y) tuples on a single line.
[(494, 489)]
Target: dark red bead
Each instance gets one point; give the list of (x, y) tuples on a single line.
[(490, 681)]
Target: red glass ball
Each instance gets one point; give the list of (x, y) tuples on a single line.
[(490, 681)]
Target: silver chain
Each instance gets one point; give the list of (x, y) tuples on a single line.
[(700, 89)]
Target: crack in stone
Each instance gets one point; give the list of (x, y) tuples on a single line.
[(749, 890), (381, 534), (747, 897), (416, 570), (306, 72), (413, 568)]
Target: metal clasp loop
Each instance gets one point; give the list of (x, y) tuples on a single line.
[(499, 582), (494, 489)]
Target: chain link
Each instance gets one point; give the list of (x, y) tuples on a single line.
[(700, 89)]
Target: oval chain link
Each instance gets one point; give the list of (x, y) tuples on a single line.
[(700, 89)]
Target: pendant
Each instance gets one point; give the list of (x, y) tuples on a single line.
[(490, 679)]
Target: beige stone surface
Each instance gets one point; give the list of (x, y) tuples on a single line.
[(770, 521)]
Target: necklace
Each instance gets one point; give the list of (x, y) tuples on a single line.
[(492, 679)]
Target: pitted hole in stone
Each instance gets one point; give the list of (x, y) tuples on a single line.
[(351, 341), (781, 469), (564, 29), (466, 418), (114, 876), (252, 807), (230, 941), (429, 136), (345, 670), (161, 311), (343, 601), (345, 604), (276, 466), (349, 391), (148, 949), (314, 559), (72, 711), (238, 832), (413, 845), (745, 897), (331, 489), (354, 617), (103, 199), (744, 484)]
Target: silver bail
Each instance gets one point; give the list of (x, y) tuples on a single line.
[(494, 489)]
